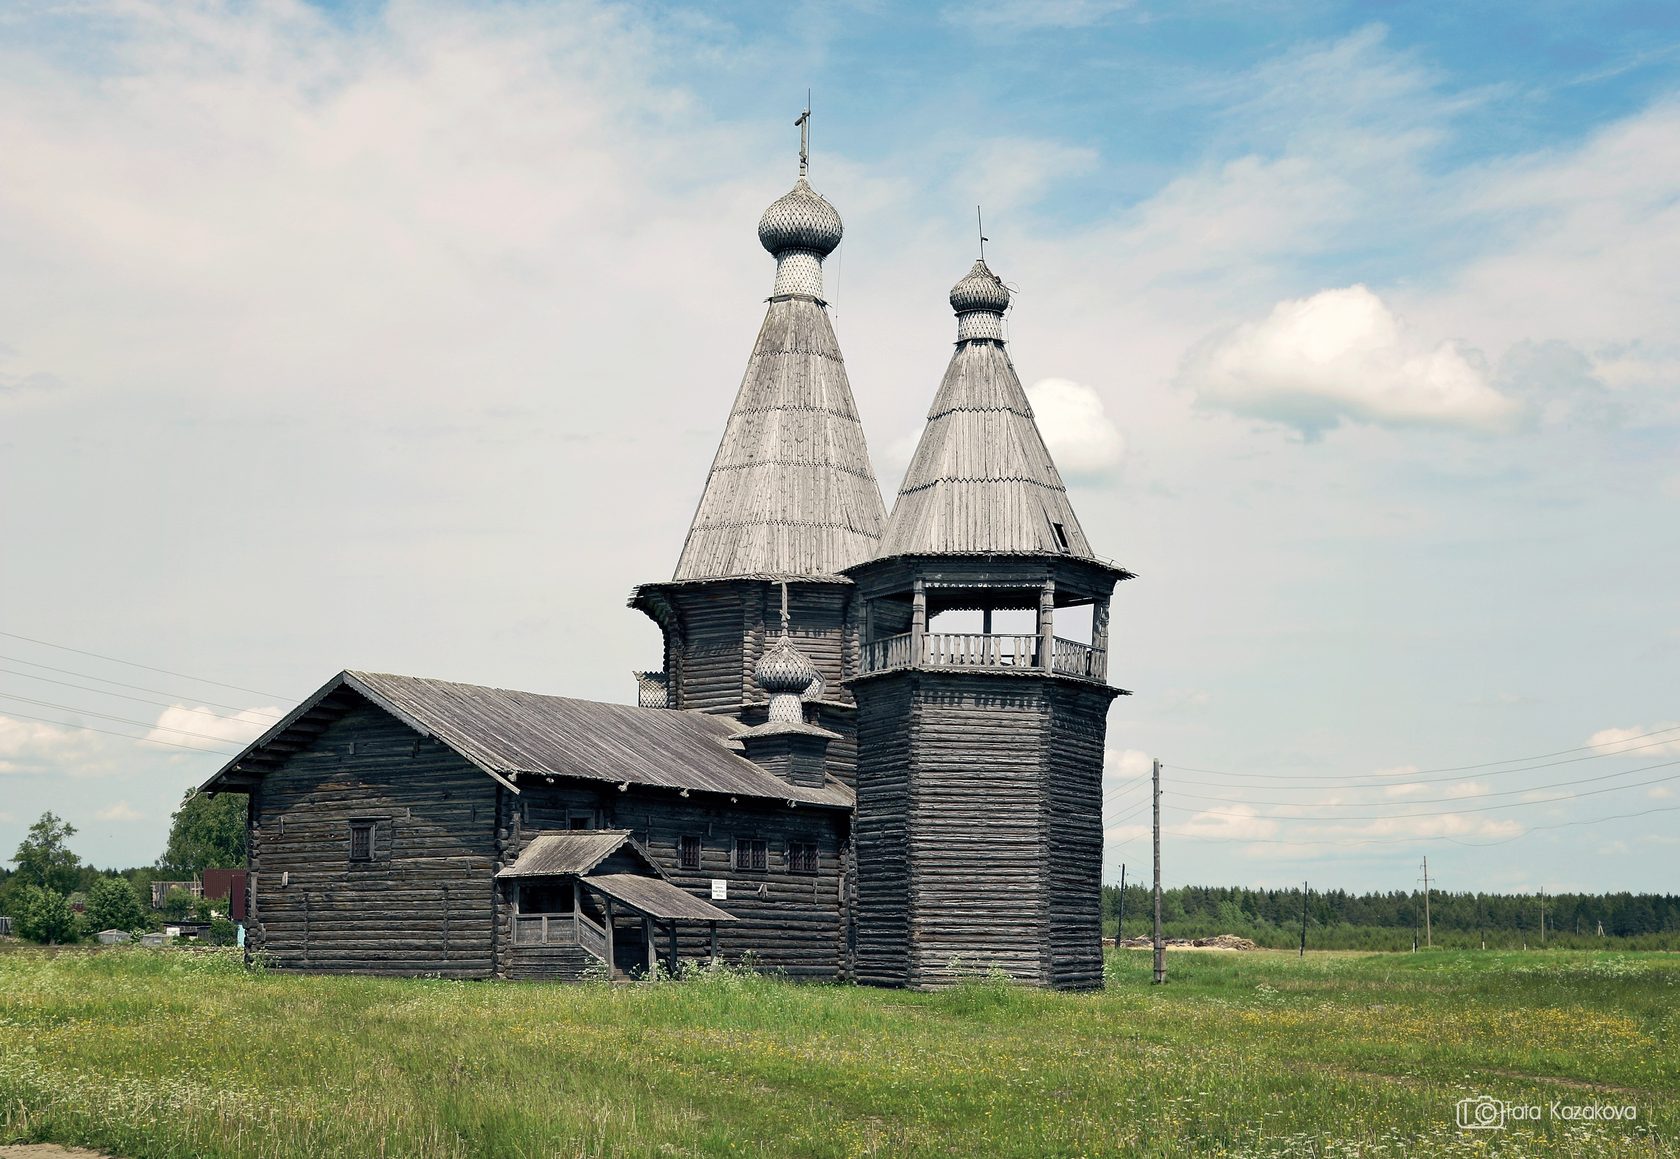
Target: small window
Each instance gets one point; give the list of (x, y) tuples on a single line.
[(361, 841), (752, 854), (802, 857), (1061, 536), (580, 821), (688, 851)]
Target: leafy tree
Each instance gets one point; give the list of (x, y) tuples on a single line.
[(44, 857), (112, 904), (205, 833), (44, 915), (178, 905)]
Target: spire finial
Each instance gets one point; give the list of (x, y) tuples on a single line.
[(784, 608), (804, 124), (981, 226)]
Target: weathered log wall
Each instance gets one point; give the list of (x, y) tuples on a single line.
[(979, 827), (423, 904)]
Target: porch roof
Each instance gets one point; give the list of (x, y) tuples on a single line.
[(655, 897), (572, 851)]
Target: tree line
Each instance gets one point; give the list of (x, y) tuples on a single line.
[(1337, 917), (53, 896)]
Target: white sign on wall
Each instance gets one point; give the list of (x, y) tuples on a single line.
[(720, 889)]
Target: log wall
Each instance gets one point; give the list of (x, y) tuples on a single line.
[(423, 904), (979, 827)]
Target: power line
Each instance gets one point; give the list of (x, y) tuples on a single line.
[(1443, 812), (1415, 838), (1414, 773), (118, 683), (124, 735), (118, 719), (147, 667), (1431, 800), (138, 699)]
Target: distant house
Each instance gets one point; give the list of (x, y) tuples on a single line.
[(5, 927), (113, 937), (162, 889), (226, 883)]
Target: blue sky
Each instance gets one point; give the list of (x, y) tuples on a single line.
[(399, 337)]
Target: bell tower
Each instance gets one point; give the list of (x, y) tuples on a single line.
[(979, 782), (790, 500)]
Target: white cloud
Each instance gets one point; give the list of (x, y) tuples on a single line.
[(1126, 764), (1637, 741), (1659, 792), (1339, 355), (1077, 430), (203, 728), (119, 811), (1231, 822), (28, 746)]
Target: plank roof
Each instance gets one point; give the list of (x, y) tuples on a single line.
[(572, 851), (791, 490), (512, 735), (656, 897), (981, 479)]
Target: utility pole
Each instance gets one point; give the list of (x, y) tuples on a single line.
[(1428, 935), (1303, 919), (1160, 946), (1120, 919), (1542, 917)]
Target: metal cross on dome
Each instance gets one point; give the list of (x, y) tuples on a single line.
[(804, 125)]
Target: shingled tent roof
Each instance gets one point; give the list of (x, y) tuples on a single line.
[(791, 491), (981, 479), (515, 735)]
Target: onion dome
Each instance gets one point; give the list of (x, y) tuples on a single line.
[(784, 668), (979, 290), (785, 673), (801, 219)]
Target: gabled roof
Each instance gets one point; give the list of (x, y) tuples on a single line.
[(656, 897), (791, 491), (574, 851), (512, 736), (981, 479)]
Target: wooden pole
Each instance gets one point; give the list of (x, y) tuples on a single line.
[(1160, 946), (612, 963), (650, 942), (1303, 919), (714, 942), (1428, 932), (918, 618), (1120, 920), (1099, 639), (1047, 625)]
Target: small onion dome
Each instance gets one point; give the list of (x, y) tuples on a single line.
[(800, 220), (783, 669), (980, 290)]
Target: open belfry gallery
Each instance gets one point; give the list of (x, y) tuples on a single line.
[(827, 778)]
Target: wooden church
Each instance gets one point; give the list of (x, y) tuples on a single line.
[(822, 776)]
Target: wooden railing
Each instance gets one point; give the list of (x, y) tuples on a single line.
[(983, 650), (572, 929), (1075, 659)]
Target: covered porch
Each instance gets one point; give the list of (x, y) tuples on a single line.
[(591, 898)]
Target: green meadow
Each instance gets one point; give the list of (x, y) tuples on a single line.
[(145, 1053)]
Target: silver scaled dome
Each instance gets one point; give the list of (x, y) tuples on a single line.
[(783, 669), (980, 289), (801, 219)]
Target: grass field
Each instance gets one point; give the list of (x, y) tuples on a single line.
[(167, 1053)]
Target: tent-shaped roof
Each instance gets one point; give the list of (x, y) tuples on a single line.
[(791, 491), (512, 735), (981, 479)]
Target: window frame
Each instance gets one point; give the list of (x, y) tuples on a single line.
[(804, 857), (359, 826), (757, 851), (685, 843)]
